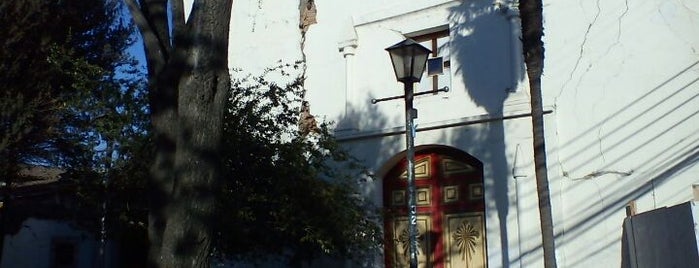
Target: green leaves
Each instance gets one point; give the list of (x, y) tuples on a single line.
[(72, 98), (60, 63), (286, 191)]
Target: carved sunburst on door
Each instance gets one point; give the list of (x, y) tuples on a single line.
[(465, 238), (404, 240)]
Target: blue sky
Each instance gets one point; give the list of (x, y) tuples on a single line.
[(136, 50)]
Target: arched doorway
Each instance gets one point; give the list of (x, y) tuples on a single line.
[(450, 207)]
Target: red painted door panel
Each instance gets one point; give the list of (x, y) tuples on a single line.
[(451, 224)]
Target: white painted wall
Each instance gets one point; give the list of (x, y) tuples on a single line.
[(620, 81), (622, 76), (32, 245)]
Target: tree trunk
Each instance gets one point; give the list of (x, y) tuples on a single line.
[(533, 48), (189, 85)]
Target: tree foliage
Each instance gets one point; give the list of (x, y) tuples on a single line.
[(286, 192), (72, 98), (230, 174), (60, 61)]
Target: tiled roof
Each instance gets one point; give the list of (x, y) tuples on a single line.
[(37, 175)]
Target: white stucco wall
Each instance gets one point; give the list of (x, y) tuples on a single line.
[(32, 245), (620, 82), (622, 76)]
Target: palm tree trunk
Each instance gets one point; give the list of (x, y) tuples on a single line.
[(533, 48)]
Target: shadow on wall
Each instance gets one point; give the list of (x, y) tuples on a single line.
[(480, 46)]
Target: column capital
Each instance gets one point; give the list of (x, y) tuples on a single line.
[(347, 47)]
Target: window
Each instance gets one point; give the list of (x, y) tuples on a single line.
[(437, 73), (64, 252)]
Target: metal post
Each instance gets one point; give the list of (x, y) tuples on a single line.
[(410, 114)]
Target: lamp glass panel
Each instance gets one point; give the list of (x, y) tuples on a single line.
[(408, 59), (419, 66), (400, 66)]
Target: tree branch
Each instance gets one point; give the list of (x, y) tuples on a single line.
[(178, 21), (151, 18)]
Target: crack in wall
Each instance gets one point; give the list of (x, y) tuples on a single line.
[(307, 17), (600, 173), (680, 36), (599, 143), (616, 43), (254, 16), (564, 172), (621, 17), (691, 10), (618, 32), (580, 55)]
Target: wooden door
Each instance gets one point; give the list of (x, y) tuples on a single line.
[(450, 207)]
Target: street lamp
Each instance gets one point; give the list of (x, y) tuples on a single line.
[(409, 58)]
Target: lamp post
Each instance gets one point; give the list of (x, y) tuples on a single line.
[(409, 58)]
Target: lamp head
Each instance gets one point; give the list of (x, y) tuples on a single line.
[(408, 58)]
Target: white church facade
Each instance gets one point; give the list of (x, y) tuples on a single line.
[(620, 98)]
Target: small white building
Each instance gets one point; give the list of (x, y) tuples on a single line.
[(620, 91), (37, 226), (50, 243)]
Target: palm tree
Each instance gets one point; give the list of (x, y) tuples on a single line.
[(533, 48)]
